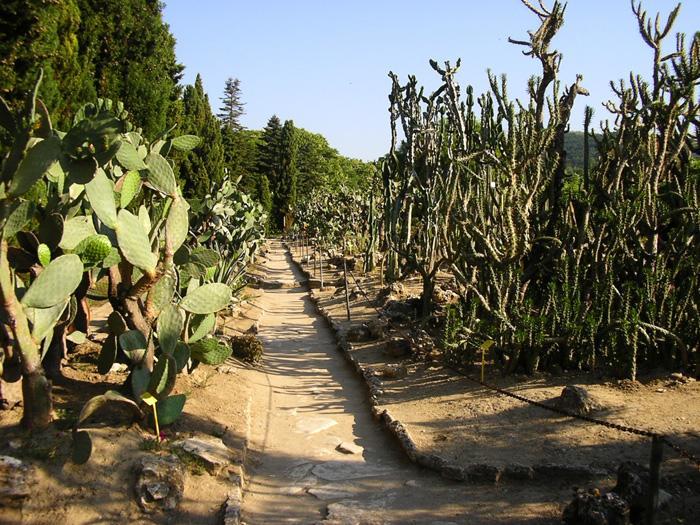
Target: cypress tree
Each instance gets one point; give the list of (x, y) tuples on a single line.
[(232, 108), (202, 169), (131, 55), (269, 152), (37, 34), (285, 191)]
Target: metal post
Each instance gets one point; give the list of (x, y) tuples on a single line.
[(654, 474), (347, 293)]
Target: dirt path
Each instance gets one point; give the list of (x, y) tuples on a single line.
[(306, 401)]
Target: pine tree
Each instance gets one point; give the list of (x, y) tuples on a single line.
[(203, 168), (232, 108)]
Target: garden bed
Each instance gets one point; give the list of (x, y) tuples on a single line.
[(455, 425)]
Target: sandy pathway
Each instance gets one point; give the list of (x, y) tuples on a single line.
[(306, 401)]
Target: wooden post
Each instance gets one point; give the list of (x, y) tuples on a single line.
[(347, 293), (654, 475)]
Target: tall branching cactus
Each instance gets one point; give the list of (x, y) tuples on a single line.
[(598, 269), (420, 181)]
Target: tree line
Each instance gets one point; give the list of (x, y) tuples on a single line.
[(126, 52)]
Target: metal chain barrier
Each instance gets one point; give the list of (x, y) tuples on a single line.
[(622, 428), (615, 426), (362, 290)]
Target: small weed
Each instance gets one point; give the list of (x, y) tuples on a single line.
[(194, 465), (150, 445), (65, 417)]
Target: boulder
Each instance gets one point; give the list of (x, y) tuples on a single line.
[(593, 508), (398, 347), (577, 400), (160, 482)]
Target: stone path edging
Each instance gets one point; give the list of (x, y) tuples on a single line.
[(475, 472)]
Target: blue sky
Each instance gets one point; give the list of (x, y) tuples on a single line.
[(324, 64)]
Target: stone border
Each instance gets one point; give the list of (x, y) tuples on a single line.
[(475, 472), (232, 507)]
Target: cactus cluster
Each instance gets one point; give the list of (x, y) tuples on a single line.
[(110, 215), (587, 270)]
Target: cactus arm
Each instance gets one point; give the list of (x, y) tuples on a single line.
[(36, 390), (31, 355)]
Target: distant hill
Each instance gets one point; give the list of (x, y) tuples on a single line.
[(573, 144)]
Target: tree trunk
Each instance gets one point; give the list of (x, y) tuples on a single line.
[(36, 395), (427, 296)]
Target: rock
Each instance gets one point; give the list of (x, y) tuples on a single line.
[(592, 508), (160, 482), (210, 450), (327, 492), (313, 425), (377, 328), (15, 480), (349, 448), (518, 472), (254, 328), (454, 472), (346, 470), (232, 507), (566, 470), (633, 487), (577, 400), (483, 473), (400, 311), (354, 512), (421, 342), (391, 371), (398, 347), (444, 296), (357, 333), (226, 369)]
